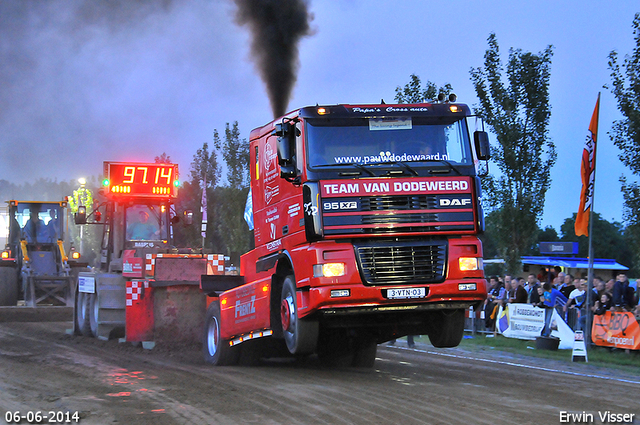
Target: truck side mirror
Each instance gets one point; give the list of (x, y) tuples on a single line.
[(481, 139), (285, 151), (81, 216), (286, 133)]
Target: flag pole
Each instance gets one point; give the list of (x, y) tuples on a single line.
[(589, 320), (203, 210)]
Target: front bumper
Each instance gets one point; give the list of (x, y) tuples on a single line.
[(372, 299)]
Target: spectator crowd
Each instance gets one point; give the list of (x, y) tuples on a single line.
[(559, 290)]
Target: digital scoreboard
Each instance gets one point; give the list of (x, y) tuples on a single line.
[(141, 180)]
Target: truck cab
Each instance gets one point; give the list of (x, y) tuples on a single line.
[(366, 222)]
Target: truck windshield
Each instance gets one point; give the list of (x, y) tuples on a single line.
[(145, 223), (376, 141)]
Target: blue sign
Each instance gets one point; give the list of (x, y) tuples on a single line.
[(558, 247)]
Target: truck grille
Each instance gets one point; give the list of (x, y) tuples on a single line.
[(382, 203), (399, 218), (402, 263), (362, 215)]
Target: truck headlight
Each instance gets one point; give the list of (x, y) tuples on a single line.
[(328, 270), (470, 263)]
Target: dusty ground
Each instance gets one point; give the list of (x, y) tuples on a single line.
[(42, 368)]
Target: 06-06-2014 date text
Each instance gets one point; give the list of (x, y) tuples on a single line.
[(40, 417)]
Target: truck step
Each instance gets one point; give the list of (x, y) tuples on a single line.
[(217, 284)]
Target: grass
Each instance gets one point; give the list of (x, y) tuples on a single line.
[(598, 356)]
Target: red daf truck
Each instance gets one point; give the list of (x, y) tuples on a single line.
[(366, 229)]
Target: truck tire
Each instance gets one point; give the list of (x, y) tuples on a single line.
[(335, 348), (364, 354), (300, 335), (446, 328), (8, 286), (216, 350), (82, 306)]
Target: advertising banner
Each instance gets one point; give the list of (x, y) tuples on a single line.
[(618, 330), (524, 321)]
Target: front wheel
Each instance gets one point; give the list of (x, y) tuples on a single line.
[(300, 335), (446, 328), (217, 351)]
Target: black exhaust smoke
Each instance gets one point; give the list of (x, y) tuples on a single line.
[(276, 26)]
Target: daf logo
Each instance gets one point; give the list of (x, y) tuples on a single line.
[(310, 209), (349, 205), (444, 202)]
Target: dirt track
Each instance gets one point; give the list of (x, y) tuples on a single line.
[(43, 368)]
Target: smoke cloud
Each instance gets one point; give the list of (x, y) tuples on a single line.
[(84, 82), (276, 26)]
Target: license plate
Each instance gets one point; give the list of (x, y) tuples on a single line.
[(405, 293)]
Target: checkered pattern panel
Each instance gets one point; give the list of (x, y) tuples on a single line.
[(134, 291), (215, 262)]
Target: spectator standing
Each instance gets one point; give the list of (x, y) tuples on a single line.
[(602, 305), (540, 302), (596, 294), (568, 286), (559, 280), (635, 298), (623, 294), (551, 297), (509, 282), (532, 289), (496, 292), (608, 286), (517, 294), (598, 289), (542, 274), (546, 276), (410, 341), (575, 307)]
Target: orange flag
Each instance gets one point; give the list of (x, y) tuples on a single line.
[(588, 173)]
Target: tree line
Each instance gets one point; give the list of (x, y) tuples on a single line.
[(226, 231), (514, 103)]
